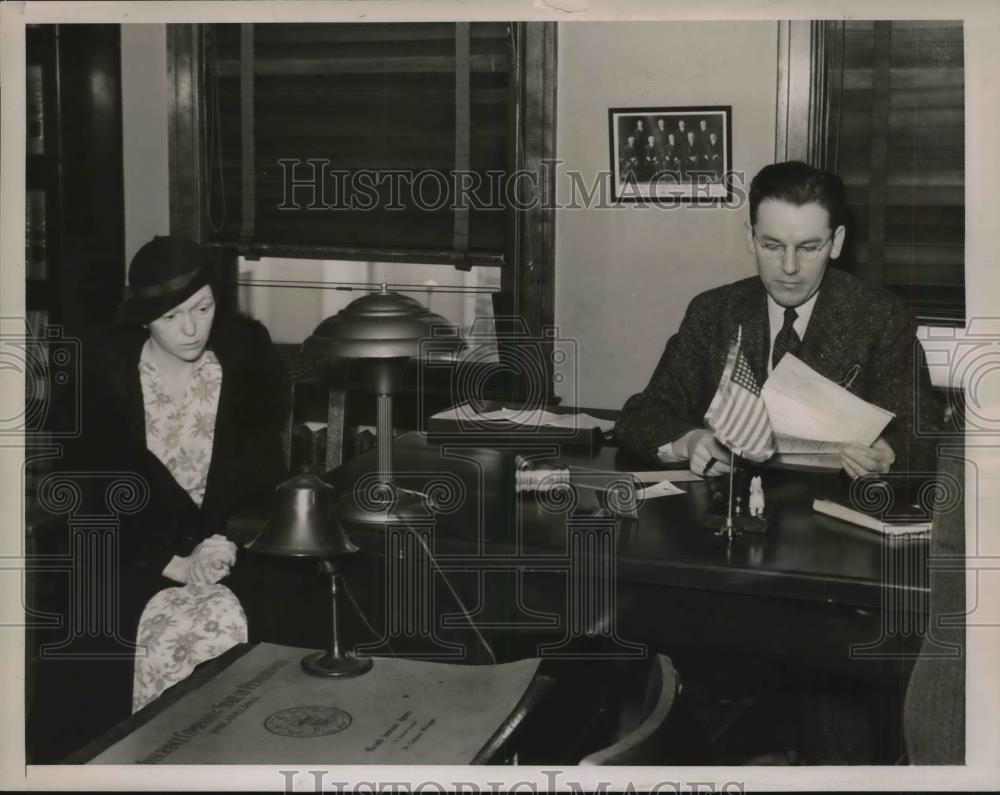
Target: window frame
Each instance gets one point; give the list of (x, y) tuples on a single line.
[(807, 128), (524, 308)]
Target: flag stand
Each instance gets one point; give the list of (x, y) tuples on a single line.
[(728, 530)]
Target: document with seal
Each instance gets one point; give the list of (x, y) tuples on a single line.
[(264, 709), (810, 414)]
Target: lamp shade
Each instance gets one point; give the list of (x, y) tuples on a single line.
[(382, 325), (303, 522)]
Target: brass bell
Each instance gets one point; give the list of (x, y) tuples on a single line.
[(303, 522)]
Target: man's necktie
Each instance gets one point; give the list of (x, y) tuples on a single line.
[(787, 340)]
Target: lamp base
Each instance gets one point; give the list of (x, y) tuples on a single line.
[(407, 506), (342, 666)]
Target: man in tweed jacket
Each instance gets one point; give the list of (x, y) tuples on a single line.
[(851, 332)]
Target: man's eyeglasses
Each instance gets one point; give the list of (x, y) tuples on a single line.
[(807, 252)]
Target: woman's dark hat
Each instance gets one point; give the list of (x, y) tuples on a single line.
[(164, 273)]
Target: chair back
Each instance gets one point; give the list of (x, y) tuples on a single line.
[(640, 735)]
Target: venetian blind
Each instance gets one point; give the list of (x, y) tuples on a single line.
[(897, 138), (360, 101)]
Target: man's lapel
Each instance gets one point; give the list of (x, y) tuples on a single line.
[(752, 316), (823, 346)]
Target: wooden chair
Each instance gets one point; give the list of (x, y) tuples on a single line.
[(303, 370), (640, 726)]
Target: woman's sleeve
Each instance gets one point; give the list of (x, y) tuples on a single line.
[(103, 453), (262, 463), (275, 383)]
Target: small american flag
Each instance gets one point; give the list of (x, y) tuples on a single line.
[(737, 414)]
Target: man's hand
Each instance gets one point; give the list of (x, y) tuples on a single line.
[(859, 461), (705, 455)]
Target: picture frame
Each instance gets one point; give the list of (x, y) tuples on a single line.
[(671, 154)]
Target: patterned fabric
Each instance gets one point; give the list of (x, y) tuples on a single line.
[(787, 340), (737, 414), (181, 434), (179, 629)]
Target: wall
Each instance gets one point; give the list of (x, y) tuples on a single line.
[(144, 127), (624, 276)]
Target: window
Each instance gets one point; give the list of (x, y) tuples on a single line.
[(449, 98), (896, 135), (374, 120), (292, 296)]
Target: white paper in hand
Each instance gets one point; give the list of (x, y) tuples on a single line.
[(802, 403)]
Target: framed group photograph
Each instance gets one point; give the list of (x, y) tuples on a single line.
[(671, 153)]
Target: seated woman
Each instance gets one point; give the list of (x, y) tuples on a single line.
[(191, 399)]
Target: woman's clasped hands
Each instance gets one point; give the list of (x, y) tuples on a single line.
[(208, 563)]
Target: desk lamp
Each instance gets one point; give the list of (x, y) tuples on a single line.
[(384, 330), (303, 523)]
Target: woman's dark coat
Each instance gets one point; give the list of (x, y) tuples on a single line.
[(83, 688), (247, 455)]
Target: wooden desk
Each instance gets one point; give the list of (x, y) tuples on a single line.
[(812, 590), (210, 688), (813, 599)]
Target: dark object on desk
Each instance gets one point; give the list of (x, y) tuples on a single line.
[(748, 483), (303, 523), (590, 490)]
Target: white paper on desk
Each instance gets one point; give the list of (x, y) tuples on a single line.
[(672, 475), (463, 411), (802, 403), (662, 489), (583, 421), (527, 417), (264, 709), (466, 412)]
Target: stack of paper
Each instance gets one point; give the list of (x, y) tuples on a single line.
[(813, 418), (532, 418), (888, 528)]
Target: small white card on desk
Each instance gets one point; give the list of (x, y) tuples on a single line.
[(662, 489)]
